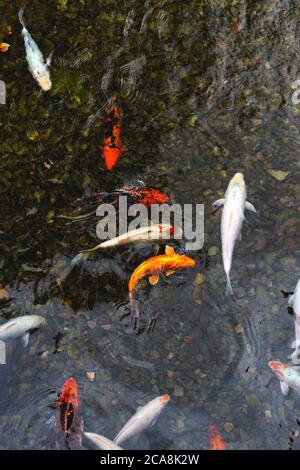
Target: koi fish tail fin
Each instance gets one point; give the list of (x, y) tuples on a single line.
[(229, 290), (21, 17)]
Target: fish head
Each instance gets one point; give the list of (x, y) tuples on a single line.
[(43, 79), (184, 261), (70, 393), (278, 368), (164, 399), (237, 180), (39, 321), (238, 177)]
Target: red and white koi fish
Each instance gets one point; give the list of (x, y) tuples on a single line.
[(102, 442), (112, 144), (288, 375), (144, 417), (235, 203), (21, 327), (136, 193), (149, 233)]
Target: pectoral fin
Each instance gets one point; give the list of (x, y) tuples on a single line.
[(219, 202), (154, 279), (25, 339), (169, 273), (250, 207), (169, 250), (284, 388), (48, 61), (291, 300)]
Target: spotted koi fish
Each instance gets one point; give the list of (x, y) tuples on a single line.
[(112, 145), (68, 405)]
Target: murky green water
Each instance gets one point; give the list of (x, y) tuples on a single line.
[(205, 91)]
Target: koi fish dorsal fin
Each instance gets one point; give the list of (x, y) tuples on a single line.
[(169, 250), (154, 279)]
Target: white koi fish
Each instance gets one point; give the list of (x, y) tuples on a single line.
[(143, 418), (294, 301), (102, 442), (235, 202), (288, 375), (21, 327), (152, 232), (38, 68)]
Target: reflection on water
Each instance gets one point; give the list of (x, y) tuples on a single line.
[(205, 90)]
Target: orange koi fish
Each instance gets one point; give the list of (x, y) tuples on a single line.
[(68, 404), (112, 145), (146, 196), (4, 47), (153, 267), (136, 193), (215, 439)]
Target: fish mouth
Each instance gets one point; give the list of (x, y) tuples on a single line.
[(238, 177), (164, 399), (44, 82)]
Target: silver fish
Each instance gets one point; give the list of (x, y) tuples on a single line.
[(102, 442), (21, 327), (38, 68), (235, 202), (143, 418)]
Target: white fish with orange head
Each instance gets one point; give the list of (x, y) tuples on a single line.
[(21, 327), (149, 233), (235, 202), (294, 301), (102, 442), (36, 64), (142, 419), (288, 375)]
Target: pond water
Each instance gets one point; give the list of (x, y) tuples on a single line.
[(205, 91)]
